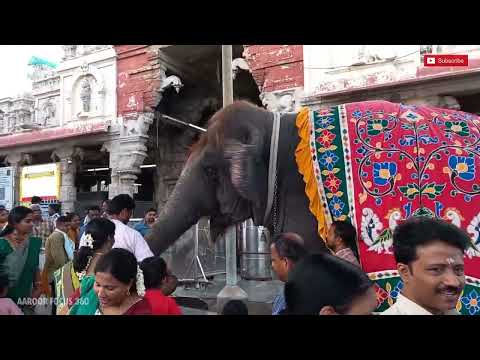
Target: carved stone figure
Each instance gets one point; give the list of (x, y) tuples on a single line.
[(237, 65), (286, 103), (368, 54), (69, 51), (172, 81), (48, 111), (86, 95), (283, 102)]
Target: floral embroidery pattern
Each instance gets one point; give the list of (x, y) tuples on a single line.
[(332, 183), (463, 166), (326, 138), (330, 158), (457, 127), (336, 206), (375, 127), (472, 302), (384, 172)]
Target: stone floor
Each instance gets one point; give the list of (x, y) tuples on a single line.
[(260, 294)]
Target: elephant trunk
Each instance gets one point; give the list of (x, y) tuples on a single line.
[(189, 201)]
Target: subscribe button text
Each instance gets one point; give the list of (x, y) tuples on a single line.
[(445, 60)]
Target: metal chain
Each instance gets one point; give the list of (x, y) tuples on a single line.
[(275, 205)]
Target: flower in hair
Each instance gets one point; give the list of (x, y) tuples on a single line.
[(89, 241), (140, 284)]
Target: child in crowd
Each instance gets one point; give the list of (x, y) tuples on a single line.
[(155, 276)]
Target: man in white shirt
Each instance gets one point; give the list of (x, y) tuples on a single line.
[(120, 210), (429, 255), (53, 214)]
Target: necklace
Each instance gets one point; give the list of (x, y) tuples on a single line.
[(15, 243), (120, 309)]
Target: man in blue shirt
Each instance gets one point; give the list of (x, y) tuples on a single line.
[(145, 225), (286, 250)]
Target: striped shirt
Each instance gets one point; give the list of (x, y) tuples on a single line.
[(43, 231), (279, 304), (347, 254)]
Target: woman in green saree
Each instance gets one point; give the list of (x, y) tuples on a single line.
[(19, 258)]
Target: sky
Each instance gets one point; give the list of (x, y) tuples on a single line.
[(14, 68)]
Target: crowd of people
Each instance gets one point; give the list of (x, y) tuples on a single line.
[(99, 265)]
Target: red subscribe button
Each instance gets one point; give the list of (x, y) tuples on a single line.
[(445, 60)]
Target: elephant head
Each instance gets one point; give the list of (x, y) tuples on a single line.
[(225, 176)]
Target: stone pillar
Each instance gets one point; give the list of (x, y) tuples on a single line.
[(68, 191), (125, 160), (126, 181), (68, 158), (111, 148), (128, 153), (16, 161)]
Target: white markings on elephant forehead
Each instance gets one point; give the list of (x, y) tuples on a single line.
[(239, 156)]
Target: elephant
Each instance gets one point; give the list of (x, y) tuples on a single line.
[(226, 179)]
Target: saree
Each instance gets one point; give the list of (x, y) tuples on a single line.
[(21, 266), (87, 303), (66, 283)]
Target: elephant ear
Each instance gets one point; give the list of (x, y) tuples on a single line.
[(248, 170)]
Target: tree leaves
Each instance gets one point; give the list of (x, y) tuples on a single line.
[(410, 191), (432, 190)]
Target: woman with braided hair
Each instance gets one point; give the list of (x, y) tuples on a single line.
[(99, 240)]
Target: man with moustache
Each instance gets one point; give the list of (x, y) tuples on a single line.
[(429, 255), (286, 250)]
